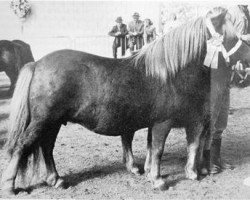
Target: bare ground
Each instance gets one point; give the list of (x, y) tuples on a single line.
[(92, 164)]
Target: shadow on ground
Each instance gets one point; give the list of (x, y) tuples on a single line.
[(239, 111), (73, 179)]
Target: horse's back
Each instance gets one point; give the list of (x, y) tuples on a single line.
[(100, 93), (25, 51)]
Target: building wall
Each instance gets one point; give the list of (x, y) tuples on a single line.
[(80, 25)]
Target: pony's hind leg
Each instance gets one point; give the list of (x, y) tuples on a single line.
[(128, 157), (20, 150), (193, 132), (47, 145)]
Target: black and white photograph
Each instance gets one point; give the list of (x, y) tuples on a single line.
[(124, 100)]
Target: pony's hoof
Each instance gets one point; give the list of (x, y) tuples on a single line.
[(190, 174), (159, 184), (60, 183), (55, 181), (8, 191), (215, 169), (204, 171), (8, 188), (135, 171), (225, 165)]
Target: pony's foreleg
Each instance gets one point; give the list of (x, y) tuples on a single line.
[(159, 135), (52, 177), (193, 132), (128, 157), (147, 164), (203, 156)]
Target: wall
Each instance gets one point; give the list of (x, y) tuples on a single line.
[(80, 25)]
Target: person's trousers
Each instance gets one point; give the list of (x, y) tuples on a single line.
[(119, 42), (222, 119), (135, 43)]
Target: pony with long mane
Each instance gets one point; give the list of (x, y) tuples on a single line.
[(164, 85), (13, 56)]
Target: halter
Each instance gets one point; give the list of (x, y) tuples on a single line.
[(214, 46)]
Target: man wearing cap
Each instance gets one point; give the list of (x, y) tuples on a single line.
[(216, 129), (239, 16), (119, 31), (135, 33)]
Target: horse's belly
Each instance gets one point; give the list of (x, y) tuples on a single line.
[(112, 126), (106, 130)]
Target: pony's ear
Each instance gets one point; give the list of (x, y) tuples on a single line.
[(218, 20)]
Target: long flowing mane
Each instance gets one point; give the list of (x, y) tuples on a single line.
[(173, 51)]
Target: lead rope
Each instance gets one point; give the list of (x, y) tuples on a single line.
[(214, 46)]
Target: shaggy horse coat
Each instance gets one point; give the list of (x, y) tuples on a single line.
[(165, 81)]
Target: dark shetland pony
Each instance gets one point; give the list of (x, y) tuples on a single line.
[(165, 81), (13, 56)]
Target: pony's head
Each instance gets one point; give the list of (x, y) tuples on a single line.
[(187, 45), (234, 48), (237, 51)]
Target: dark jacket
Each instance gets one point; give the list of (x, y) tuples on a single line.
[(115, 29), (119, 41), (137, 40), (136, 27)]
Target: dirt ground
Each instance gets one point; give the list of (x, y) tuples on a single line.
[(92, 164)]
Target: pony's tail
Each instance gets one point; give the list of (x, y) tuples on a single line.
[(19, 120), (19, 109)]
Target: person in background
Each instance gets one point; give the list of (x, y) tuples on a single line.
[(135, 33), (241, 20), (149, 31), (119, 31)]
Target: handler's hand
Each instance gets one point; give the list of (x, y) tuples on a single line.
[(118, 33)]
